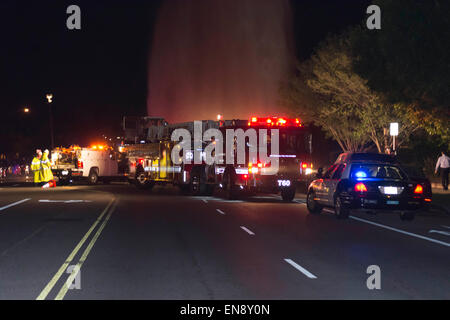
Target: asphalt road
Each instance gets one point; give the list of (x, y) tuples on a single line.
[(117, 242)]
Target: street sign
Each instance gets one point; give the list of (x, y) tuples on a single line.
[(393, 129)]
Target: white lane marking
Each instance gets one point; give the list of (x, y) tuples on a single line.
[(220, 211), (13, 204), (401, 231), (247, 230), (69, 259), (65, 201), (205, 201), (445, 226), (328, 210), (301, 269), (62, 292), (441, 232)]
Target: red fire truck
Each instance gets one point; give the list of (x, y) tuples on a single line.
[(148, 146)]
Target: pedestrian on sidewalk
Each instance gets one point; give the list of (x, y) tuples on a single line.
[(443, 163)]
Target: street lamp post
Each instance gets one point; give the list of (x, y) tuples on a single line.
[(49, 97), (393, 131)]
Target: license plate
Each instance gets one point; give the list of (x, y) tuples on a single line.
[(392, 202), (64, 172), (390, 190)]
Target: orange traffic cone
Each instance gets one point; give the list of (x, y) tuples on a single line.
[(50, 184)]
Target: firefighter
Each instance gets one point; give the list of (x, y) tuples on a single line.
[(36, 167), (46, 169)]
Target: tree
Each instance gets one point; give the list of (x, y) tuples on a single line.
[(408, 60), (327, 91)]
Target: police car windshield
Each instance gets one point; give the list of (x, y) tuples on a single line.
[(380, 171)]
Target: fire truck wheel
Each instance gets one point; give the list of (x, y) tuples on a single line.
[(93, 177), (288, 194), (142, 181), (229, 187), (197, 187)]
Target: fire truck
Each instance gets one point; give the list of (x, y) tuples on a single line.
[(148, 147), (92, 164)]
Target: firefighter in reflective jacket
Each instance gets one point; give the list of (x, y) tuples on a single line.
[(36, 167), (46, 169)]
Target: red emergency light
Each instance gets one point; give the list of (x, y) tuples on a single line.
[(275, 121)]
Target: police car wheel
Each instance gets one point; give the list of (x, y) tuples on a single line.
[(341, 211), (311, 204)]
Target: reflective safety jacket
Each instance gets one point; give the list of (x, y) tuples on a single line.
[(36, 169), (46, 169)]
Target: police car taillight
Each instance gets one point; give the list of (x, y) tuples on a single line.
[(360, 187), (418, 189)]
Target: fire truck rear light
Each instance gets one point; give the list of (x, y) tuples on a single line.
[(304, 165), (254, 119), (80, 164)]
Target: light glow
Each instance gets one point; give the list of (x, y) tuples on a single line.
[(360, 187), (418, 189)]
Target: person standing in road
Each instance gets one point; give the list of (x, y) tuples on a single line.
[(46, 168), (36, 167), (443, 162)]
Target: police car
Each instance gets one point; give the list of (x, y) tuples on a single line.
[(367, 182)]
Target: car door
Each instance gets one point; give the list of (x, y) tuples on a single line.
[(332, 183), (322, 188)]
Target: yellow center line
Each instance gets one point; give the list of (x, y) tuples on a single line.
[(83, 258), (69, 259)]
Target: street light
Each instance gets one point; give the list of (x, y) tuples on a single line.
[(393, 131), (26, 110), (49, 97)]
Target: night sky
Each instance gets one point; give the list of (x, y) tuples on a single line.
[(100, 73)]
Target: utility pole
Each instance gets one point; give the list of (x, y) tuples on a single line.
[(49, 97)]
